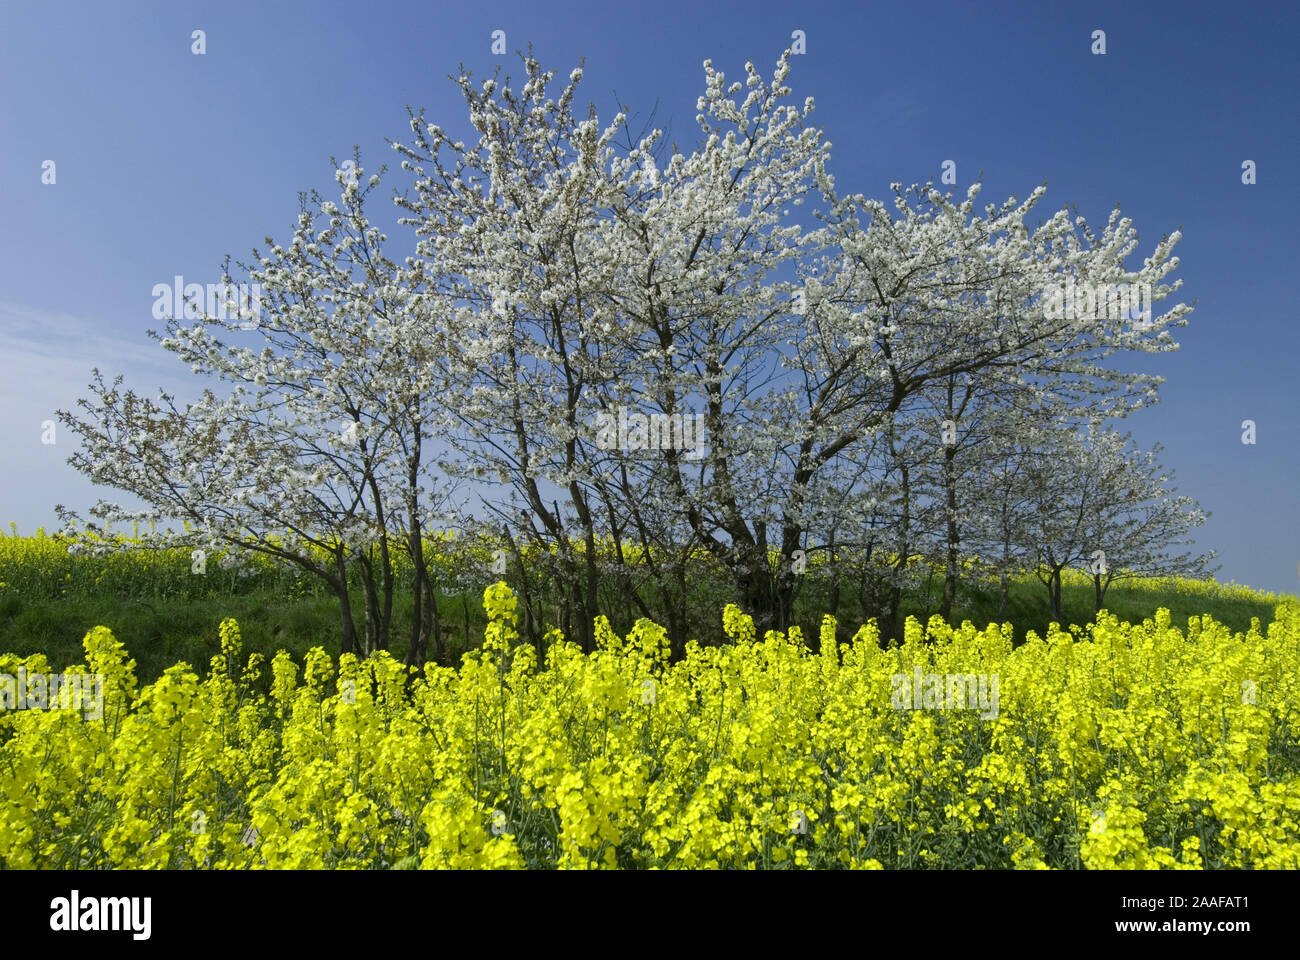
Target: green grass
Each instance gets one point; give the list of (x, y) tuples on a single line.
[(162, 631), (1027, 606), (164, 614)]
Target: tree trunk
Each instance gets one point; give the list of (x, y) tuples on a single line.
[(904, 550), (381, 614), (952, 564), (589, 611), (529, 627), (348, 641), (371, 597), (418, 649), (757, 590), (835, 578), (432, 619), (1054, 592), (891, 624)]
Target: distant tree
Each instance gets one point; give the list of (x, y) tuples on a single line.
[(1136, 524), (1098, 502), (313, 451)]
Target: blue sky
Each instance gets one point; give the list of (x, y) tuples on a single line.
[(167, 161)]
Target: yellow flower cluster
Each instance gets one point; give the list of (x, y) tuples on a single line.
[(1119, 746), (54, 567)]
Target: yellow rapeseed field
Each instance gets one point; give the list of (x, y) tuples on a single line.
[(1118, 746)]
